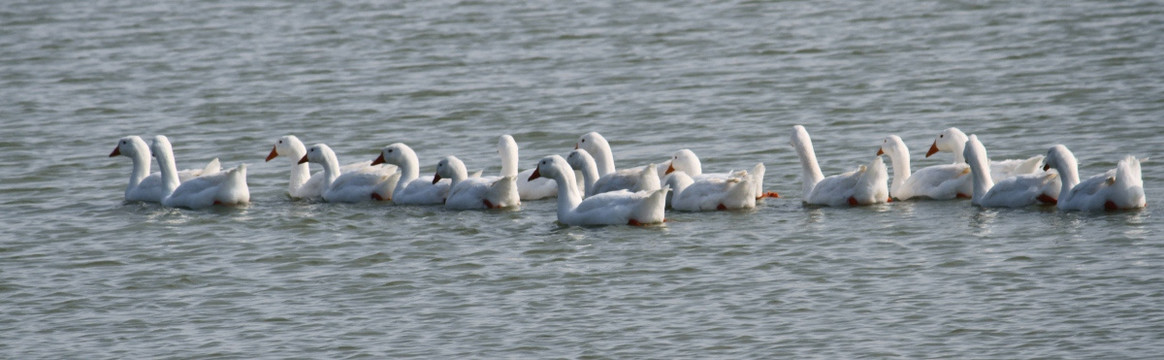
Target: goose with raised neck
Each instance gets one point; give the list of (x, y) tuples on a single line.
[(611, 208), (221, 188), (144, 186), (954, 140), (1121, 188), (526, 189), (866, 185), (376, 183), (938, 182), (1016, 191), (412, 189)]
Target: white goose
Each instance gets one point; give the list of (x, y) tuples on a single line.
[(144, 186), (1016, 191), (304, 184), (223, 188), (864, 186), (1116, 189), (375, 183), (611, 208), (412, 189), (954, 141), (475, 193), (711, 192), (635, 179), (938, 182), (580, 160), (526, 189), (686, 161)]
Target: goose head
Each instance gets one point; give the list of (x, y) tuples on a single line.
[(1058, 158), (392, 154), (449, 167), (318, 153), (130, 146), (579, 158), (800, 139), (975, 153), (161, 147), (686, 161), (287, 146), (592, 142), (549, 167), (506, 145), (893, 146), (949, 140)]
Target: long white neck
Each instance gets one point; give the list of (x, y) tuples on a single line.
[(459, 172), (299, 172), (568, 196), (899, 156), (603, 158), (507, 148), (1068, 168), (331, 169), (141, 167), (589, 172), (975, 155), (165, 156), (409, 168), (810, 170)]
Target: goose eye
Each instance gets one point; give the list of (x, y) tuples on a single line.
[(583, 140), (280, 141), (389, 151), (941, 135)]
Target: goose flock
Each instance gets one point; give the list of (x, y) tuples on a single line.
[(603, 195)]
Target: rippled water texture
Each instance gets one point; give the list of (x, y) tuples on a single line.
[(84, 275)]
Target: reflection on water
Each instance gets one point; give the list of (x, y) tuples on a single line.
[(982, 219)]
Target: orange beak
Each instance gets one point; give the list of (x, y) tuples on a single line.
[(670, 169), (303, 160), (379, 160), (273, 154), (879, 152), (933, 149), (116, 151), (435, 178), (536, 174), (575, 146)]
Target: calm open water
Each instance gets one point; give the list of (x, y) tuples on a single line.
[(84, 275)]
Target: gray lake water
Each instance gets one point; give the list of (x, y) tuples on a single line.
[(85, 275)]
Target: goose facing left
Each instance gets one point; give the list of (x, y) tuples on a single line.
[(303, 184), (375, 183), (144, 186)]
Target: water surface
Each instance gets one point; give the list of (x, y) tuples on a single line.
[(84, 275)]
